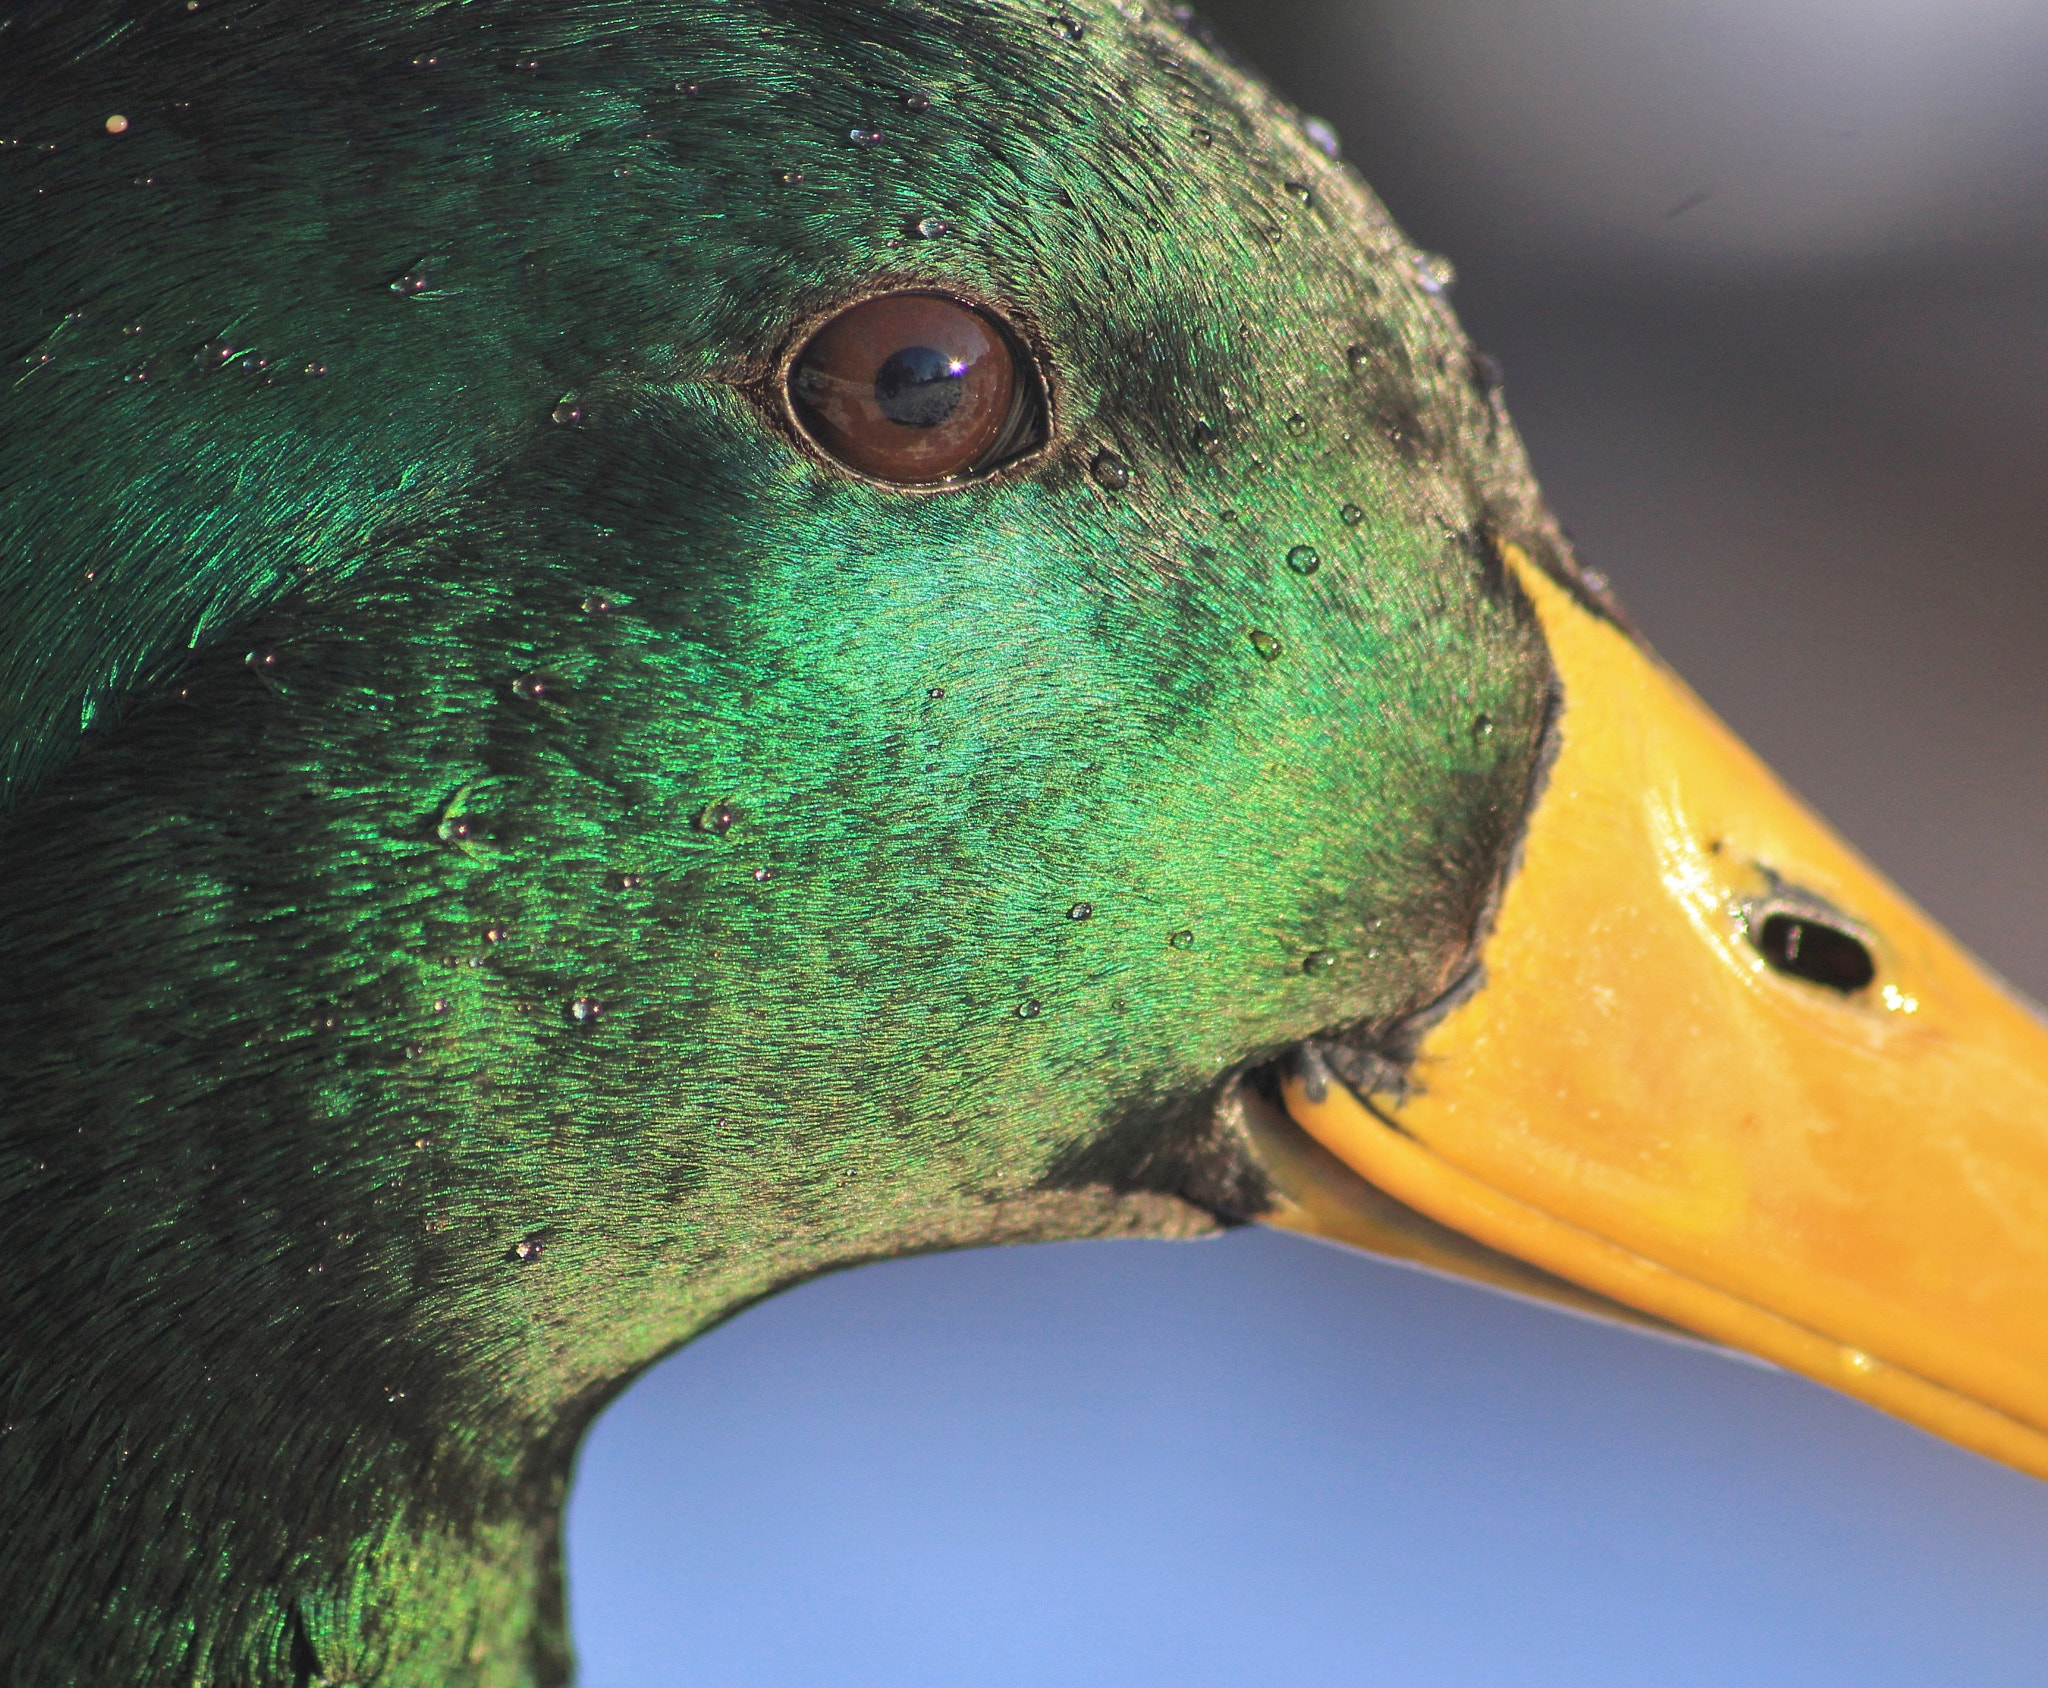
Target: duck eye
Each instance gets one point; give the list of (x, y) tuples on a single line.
[(915, 388)]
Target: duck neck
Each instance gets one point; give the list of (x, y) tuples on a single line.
[(287, 1390), (231, 1454)]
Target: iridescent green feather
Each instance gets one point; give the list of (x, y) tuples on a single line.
[(405, 551)]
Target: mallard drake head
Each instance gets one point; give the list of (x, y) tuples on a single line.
[(653, 650)]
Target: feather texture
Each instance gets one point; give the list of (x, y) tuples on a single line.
[(511, 858)]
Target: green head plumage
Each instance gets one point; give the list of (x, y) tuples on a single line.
[(513, 857)]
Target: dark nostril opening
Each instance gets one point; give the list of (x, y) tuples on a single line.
[(1818, 953)]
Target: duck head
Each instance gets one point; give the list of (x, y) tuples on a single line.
[(651, 651)]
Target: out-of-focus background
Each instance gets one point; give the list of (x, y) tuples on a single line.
[(1769, 279)]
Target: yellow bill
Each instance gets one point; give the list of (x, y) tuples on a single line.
[(1721, 1072)]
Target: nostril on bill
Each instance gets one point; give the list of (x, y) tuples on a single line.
[(1812, 950)]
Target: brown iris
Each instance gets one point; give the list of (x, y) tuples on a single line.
[(912, 388)]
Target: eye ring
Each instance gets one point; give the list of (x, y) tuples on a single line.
[(916, 389)]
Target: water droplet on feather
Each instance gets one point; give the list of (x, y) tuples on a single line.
[(1321, 136), (418, 278), (1436, 274)]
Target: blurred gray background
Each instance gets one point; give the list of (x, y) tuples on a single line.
[(1769, 279)]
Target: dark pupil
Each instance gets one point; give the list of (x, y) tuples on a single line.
[(919, 387), (1808, 950)]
